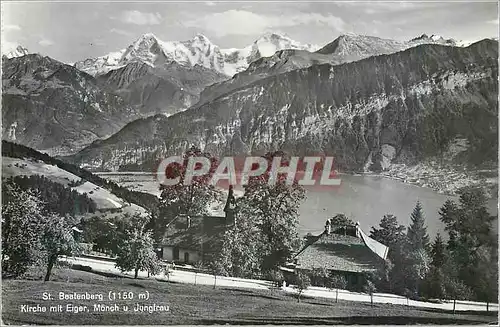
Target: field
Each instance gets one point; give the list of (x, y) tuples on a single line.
[(146, 182), (103, 198), (202, 304)]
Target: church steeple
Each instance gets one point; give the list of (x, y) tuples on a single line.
[(230, 206)]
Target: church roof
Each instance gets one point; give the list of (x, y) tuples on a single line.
[(204, 235)]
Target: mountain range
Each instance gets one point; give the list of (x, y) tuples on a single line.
[(199, 51), (402, 107), (346, 48), (153, 76), (366, 100)]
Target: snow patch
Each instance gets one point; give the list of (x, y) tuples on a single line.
[(12, 131), (116, 204)]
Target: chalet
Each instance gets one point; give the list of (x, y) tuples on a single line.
[(194, 239), (342, 250)]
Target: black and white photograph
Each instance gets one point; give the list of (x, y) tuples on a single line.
[(249, 162)]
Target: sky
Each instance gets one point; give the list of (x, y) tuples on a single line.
[(72, 31)]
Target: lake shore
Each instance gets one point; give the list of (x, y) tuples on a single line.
[(447, 180)]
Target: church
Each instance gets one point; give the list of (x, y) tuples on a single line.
[(195, 239)]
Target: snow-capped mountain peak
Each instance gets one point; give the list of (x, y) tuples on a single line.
[(149, 49), (199, 50), (272, 37), (269, 43), (201, 38), (350, 34), (237, 60), (434, 38), (145, 49), (18, 51)]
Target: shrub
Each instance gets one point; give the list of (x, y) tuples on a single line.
[(302, 283), (276, 276)]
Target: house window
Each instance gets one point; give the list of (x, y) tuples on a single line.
[(176, 253), (186, 257)]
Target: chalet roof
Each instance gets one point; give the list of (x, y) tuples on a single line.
[(337, 252)]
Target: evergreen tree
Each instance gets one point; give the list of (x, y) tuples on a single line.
[(390, 233), (449, 216), (417, 231), (418, 244), (56, 197), (434, 285), (393, 235), (472, 245), (438, 249)]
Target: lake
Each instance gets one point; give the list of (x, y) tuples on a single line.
[(363, 198)]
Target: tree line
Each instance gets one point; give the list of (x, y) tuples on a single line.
[(463, 267), (56, 197)]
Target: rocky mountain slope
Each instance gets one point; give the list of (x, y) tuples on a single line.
[(54, 107), (346, 48), (396, 108), (165, 89)]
